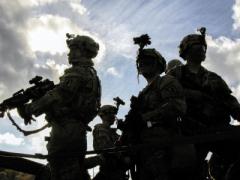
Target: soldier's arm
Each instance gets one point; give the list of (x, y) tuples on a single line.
[(64, 92), (234, 106), (173, 104), (228, 99)]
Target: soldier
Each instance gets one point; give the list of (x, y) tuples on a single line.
[(209, 100), (104, 137), (160, 103), (172, 64), (69, 107)]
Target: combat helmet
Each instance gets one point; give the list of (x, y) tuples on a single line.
[(143, 41), (107, 109), (172, 64), (86, 45), (191, 39), (155, 55)]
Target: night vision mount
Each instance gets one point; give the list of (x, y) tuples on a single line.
[(142, 41), (202, 30)]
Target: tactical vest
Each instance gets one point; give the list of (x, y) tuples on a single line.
[(154, 96), (83, 88), (211, 110)]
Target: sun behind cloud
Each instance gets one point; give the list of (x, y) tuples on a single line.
[(47, 33)]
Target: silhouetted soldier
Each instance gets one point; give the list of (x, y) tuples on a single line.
[(157, 106), (69, 107), (104, 137), (209, 100)]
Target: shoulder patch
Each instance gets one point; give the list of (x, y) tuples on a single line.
[(169, 87)]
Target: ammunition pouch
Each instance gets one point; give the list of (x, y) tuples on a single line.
[(61, 114)]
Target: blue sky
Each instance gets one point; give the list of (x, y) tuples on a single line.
[(32, 41)]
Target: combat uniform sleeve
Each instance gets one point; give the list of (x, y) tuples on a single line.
[(223, 92), (173, 102), (64, 92), (234, 106), (101, 138)]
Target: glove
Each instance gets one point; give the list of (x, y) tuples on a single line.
[(25, 114)]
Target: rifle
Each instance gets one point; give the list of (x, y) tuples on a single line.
[(132, 125), (40, 88), (131, 129)]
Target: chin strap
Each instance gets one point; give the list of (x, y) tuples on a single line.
[(26, 133)]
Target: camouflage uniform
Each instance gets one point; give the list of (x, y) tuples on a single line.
[(105, 137), (161, 103), (69, 107), (209, 100), (210, 105)]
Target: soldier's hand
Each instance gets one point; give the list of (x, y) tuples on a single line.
[(23, 113)]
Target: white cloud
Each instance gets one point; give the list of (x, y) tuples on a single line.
[(236, 15), (57, 68), (10, 139), (47, 33), (79, 8), (113, 71), (119, 39), (38, 145), (3, 89), (31, 3), (223, 57)]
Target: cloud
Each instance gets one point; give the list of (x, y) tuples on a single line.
[(47, 33), (223, 57), (59, 68), (79, 8), (119, 40), (56, 70), (236, 15), (32, 3), (10, 139), (16, 58), (113, 71), (3, 89)]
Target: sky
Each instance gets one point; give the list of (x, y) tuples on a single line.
[(33, 35)]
